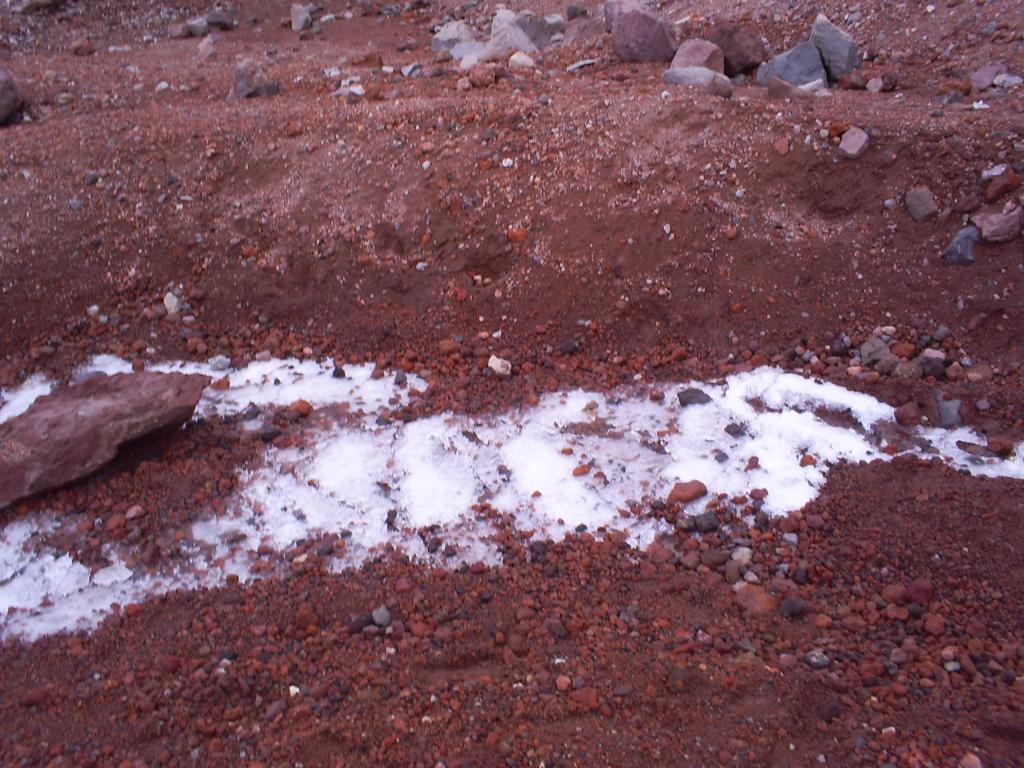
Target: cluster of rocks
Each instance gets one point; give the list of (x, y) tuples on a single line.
[(513, 36), (201, 26), (640, 33), (11, 100), (999, 220)]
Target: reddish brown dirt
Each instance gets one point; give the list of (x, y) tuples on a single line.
[(381, 231)]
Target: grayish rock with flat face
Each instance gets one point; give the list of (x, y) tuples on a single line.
[(839, 53), (743, 49), (76, 430), (799, 65), (698, 53), (450, 35), (998, 226), (960, 250), (920, 203)]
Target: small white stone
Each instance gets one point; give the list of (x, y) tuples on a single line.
[(500, 366)]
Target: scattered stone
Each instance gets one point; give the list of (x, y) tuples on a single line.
[(301, 16), (699, 77), (883, 83), (640, 33), (520, 60), (854, 143), (998, 226), (817, 659), (799, 65), (742, 50), (698, 53), (960, 249), (500, 366), (10, 96), (793, 607), (920, 204), (838, 52), (411, 69), (755, 601), (948, 411), (684, 493), (780, 89), (1004, 183), (986, 76), (693, 396), (705, 522), (220, 19), (576, 66), (82, 46), (872, 350), (576, 12), (69, 434), (381, 616), (250, 82), (197, 27), (539, 30), (452, 33)]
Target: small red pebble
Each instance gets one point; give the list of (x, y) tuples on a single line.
[(301, 407)]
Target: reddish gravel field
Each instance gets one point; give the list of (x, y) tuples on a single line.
[(594, 228)]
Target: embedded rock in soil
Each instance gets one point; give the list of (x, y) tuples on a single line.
[(449, 35), (743, 50), (799, 65), (641, 34), (755, 601), (838, 52), (10, 96), (76, 430)]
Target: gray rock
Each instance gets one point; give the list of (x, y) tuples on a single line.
[(381, 616), (800, 64), (986, 76), (302, 17), (920, 204), (449, 35), (872, 350), (250, 82), (887, 364), (854, 143), (948, 410), (700, 77), (642, 34), (539, 30), (693, 396), (961, 247), (706, 522), (817, 659), (197, 27), (838, 52), (220, 19), (10, 96)]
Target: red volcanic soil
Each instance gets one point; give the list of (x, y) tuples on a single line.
[(591, 228)]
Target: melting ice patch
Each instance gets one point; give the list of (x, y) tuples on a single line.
[(14, 402), (575, 459)]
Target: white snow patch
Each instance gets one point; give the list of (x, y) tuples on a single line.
[(575, 459), (14, 402)]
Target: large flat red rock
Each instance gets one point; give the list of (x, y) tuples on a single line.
[(77, 429)]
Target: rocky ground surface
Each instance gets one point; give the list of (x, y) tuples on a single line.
[(271, 181)]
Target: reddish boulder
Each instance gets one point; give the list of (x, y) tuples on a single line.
[(76, 430), (743, 50), (642, 34), (698, 53)]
